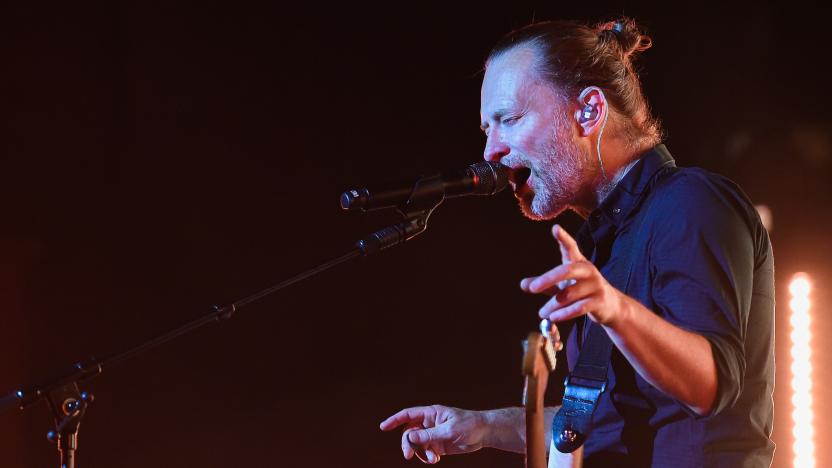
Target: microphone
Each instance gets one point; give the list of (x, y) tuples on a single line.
[(482, 178)]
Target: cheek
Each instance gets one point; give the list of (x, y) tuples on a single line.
[(531, 139)]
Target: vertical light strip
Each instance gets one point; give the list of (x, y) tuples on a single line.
[(801, 352)]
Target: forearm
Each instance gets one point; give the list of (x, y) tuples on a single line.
[(507, 430), (674, 360)]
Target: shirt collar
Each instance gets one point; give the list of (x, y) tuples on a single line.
[(625, 195)]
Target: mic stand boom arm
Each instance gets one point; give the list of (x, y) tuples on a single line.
[(69, 404)]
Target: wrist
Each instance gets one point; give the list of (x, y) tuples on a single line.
[(488, 425), (622, 312), (503, 429)]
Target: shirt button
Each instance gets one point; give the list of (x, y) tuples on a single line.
[(616, 210)]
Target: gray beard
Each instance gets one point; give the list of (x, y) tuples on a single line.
[(558, 177)]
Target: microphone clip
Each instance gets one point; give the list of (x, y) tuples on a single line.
[(427, 194)]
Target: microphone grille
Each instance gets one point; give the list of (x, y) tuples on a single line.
[(492, 177)]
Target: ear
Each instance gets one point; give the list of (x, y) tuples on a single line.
[(592, 110)]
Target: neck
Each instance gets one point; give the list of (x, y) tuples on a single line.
[(604, 189), (618, 160)]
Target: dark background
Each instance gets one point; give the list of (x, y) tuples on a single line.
[(160, 158)]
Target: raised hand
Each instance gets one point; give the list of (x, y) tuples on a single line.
[(576, 287)]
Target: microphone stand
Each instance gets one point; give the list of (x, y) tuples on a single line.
[(69, 404)]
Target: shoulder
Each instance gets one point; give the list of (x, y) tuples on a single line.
[(690, 208), (695, 197), (691, 184)]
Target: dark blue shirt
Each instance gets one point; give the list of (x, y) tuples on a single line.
[(701, 260)]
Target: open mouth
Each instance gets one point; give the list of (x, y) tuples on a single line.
[(518, 178)]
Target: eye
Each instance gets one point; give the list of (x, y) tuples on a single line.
[(509, 121)]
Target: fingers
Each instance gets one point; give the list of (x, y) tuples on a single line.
[(407, 449), (569, 250), (576, 309), (415, 416), (427, 456), (430, 435), (524, 286), (424, 454), (576, 286), (541, 284), (576, 292), (552, 282), (548, 282), (427, 444)]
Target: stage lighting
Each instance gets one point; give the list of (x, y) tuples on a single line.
[(800, 304)]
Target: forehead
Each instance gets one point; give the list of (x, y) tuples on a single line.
[(510, 79)]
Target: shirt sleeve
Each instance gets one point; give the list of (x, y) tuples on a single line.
[(701, 256)]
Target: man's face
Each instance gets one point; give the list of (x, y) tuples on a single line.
[(528, 126)]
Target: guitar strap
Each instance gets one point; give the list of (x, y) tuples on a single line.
[(588, 379)]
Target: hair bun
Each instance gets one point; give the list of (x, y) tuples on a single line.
[(625, 34)]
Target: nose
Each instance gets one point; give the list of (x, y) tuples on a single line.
[(495, 148)]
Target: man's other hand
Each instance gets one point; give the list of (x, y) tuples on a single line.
[(438, 430)]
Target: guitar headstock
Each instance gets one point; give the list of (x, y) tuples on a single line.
[(539, 360), (541, 348)]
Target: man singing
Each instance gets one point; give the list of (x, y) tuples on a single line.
[(672, 264)]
